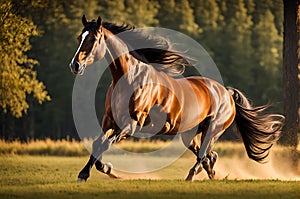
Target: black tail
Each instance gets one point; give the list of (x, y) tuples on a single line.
[(259, 130)]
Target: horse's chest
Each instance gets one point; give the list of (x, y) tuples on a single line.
[(120, 101)]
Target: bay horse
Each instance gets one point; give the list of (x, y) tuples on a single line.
[(195, 103)]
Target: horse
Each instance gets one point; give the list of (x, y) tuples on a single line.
[(191, 104)]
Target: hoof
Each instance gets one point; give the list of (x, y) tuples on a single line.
[(199, 170), (107, 168), (82, 177), (109, 171), (113, 175), (194, 172), (109, 165), (213, 159), (190, 176), (212, 175), (81, 180)]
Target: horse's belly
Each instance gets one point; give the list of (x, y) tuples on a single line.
[(195, 104), (191, 117)]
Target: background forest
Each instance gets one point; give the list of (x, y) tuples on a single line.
[(38, 40)]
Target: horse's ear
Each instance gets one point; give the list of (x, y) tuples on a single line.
[(99, 23), (84, 20)]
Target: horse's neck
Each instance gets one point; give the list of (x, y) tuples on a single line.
[(119, 59)]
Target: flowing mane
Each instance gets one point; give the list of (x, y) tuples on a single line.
[(158, 50)]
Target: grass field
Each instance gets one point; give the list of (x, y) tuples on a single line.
[(55, 177), (48, 169)]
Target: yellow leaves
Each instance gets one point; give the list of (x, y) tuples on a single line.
[(16, 85), (275, 52), (17, 77)]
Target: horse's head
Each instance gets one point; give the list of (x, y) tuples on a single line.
[(91, 45)]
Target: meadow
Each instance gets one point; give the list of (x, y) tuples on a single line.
[(40, 175)]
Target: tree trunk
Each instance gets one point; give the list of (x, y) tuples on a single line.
[(291, 74), (291, 77)]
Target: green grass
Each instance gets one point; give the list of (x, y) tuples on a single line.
[(55, 177)]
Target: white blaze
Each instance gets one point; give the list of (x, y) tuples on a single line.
[(83, 36)]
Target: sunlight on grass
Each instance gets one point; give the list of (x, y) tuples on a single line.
[(61, 147), (67, 147)]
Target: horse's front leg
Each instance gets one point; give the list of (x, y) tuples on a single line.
[(84, 174), (100, 145), (107, 168), (127, 131)]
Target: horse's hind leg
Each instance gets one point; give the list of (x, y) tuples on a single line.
[(209, 162), (195, 147), (210, 159), (200, 160), (192, 142), (204, 158)]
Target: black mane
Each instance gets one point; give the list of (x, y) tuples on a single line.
[(155, 50)]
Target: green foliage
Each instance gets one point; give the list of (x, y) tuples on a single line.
[(267, 44), (207, 14), (141, 12), (113, 10), (185, 18), (211, 22), (178, 15), (137, 12), (18, 78), (233, 54)]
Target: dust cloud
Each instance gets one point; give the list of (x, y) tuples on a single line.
[(237, 167), (234, 167)]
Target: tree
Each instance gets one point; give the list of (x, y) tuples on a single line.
[(18, 77), (250, 5), (291, 63), (165, 14), (267, 55), (59, 23), (138, 13), (207, 14), (210, 20), (113, 11), (276, 8), (234, 54), (178, 15), (141, 12), (185, 18)]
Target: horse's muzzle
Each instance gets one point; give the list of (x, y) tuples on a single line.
[(76, 68)]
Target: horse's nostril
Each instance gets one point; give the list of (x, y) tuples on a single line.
[(76, 66)]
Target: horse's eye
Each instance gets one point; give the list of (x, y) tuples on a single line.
[(93, 39)]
